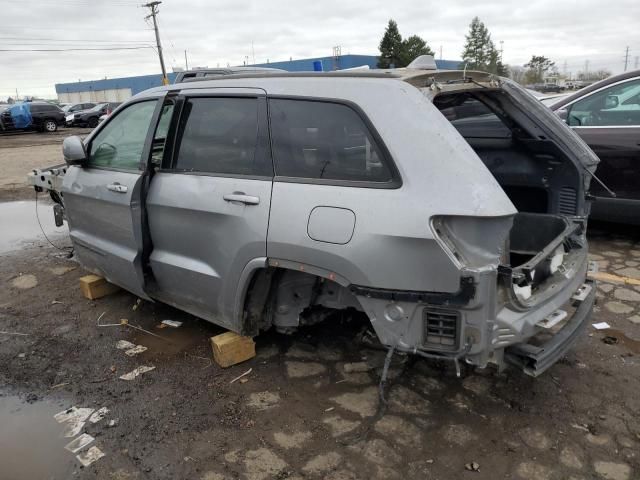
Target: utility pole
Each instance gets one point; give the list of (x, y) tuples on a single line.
[(153, 6), (586, 69), (626, 58), (440, 52), (635, 65), (186, 62), (501, 49)]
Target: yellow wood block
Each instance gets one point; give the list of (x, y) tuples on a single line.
[(230, 349), (609, 277), (93, 286)]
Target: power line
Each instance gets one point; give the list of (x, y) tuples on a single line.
[(69, 49), (34, 39)]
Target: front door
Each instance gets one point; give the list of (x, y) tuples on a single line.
[(103, 198), (609, 122), (208, 206)]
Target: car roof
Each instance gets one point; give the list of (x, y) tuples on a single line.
[(297, 80), (595, 86)]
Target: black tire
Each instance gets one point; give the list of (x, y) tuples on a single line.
[(93, 122), (49, 125)]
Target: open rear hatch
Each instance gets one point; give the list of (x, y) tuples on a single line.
[(545, 170)]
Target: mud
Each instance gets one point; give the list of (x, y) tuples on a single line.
[(299, 414)]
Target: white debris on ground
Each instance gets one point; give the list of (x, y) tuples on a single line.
[(135, 350), (124, 345), (98, 415), (90, 456), (74, 446), (171, 323), (75, 419), (135, 372)]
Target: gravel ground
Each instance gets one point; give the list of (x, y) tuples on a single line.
[(298, 413), (22, 152)]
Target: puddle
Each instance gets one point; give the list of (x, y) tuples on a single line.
[(622, 339), (173, 340), (19, 225), (169, 341), (31, 444)]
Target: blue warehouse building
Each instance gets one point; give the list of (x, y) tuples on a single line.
[(120, 89)]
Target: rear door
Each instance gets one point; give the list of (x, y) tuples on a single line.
[(208, 206), (103, 199)]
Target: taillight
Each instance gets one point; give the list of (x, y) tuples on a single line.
[(473, 242)]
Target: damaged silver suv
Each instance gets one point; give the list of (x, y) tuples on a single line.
[(450, 207)]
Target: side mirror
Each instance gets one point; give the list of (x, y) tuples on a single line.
[(73, 151), (611, 101), (563, 113)]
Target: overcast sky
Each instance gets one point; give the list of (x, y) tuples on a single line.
[(221, 32)]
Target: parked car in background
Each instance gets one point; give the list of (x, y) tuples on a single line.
[(298, 189), (606, 115), (549, 100), (40, 116), (77, 107), (91, 117), (209, 73)]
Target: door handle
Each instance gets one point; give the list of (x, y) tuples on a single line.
[(242, 198), (116, 187)]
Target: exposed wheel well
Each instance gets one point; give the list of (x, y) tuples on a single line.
[(284, 298)]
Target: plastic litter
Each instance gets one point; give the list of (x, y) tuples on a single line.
[(135, 350), (74, 446), (98, 415), (171, 323), (240, 376), (472, 466), (601, 326), (134, 373), (90, 456), (124, 345), (73, 413), (137, 304)]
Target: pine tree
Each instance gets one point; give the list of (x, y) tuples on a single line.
[(538, 66), (390, 47), (479, 51), (413, 47)]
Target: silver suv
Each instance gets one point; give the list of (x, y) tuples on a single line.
[(450, 207)]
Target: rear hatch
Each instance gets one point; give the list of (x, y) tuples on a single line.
[(543, 167)]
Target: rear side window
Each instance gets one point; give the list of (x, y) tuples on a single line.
[(219, 135), (323, 140)]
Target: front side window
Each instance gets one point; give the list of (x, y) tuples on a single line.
[(121, 142), (618, 105), (219, 136), (323, 140)]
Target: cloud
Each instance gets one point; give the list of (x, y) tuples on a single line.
[(228, 32)]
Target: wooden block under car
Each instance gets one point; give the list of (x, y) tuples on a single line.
[(93, 286), (230, 349)]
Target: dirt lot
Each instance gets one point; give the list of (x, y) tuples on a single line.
[(298, 414), (23, 151)]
